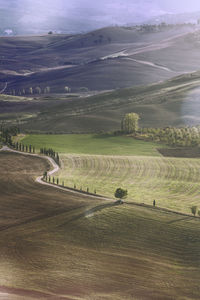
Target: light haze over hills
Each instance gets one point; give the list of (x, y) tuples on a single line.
[(28, 17)]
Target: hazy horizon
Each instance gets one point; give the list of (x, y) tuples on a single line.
[(79, 15)]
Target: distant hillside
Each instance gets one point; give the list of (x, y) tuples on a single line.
[(109, 58), (174, 102), (190, 17)]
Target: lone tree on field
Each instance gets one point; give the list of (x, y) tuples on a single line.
[(129, 123), (121, 194), (194, 210)]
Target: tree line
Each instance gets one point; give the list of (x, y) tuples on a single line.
[(31, 91), (6, 133), (51, 153), (172, 136), (57, 181), (34, 91), (23, 148)]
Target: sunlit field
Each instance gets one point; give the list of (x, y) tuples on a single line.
[(173, 182), (87, 164)]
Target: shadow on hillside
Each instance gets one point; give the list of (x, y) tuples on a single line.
[(179, 220)]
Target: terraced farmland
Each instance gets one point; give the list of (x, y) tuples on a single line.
[(61, 245), (173, 182)]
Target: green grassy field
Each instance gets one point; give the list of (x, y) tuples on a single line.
[(105, 163), (93, 144), (60, 245), (173, 182)]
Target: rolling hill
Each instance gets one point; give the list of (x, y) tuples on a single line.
[(59, 245), (109, 58), (174, 102)]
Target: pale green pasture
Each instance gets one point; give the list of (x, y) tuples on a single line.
[(173, 182)]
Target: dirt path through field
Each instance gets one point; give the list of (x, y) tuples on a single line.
[(90, 212), (55, 169), (129, 52), (151, 64)]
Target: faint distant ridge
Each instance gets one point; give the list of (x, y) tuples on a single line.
[(172, 18)]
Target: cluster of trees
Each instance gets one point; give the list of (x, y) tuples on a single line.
[(179, 137), (30, 91), (100, 39), (6, 133), (50, 152), (67, 89), (172, 136), (34, 91), (147, 28), (24, 148), (129, 123)]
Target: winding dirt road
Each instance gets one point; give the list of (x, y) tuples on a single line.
[(55, 169), (151, 64), (129, 52)]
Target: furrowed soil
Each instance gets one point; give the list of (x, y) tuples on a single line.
[(59, 245)]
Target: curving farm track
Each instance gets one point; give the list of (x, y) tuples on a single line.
[(61, 245)]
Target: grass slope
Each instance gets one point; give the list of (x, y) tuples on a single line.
[(92, 144), (170, 103), (174, 102), (172, 182), (104, 163), (53, 245)]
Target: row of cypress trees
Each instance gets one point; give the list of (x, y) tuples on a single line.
[(57, 181), (23, 148), (51, 153)]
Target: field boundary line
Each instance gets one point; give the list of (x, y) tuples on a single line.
[(162, 209)]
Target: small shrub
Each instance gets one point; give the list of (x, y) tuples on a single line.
[(194, 210)]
